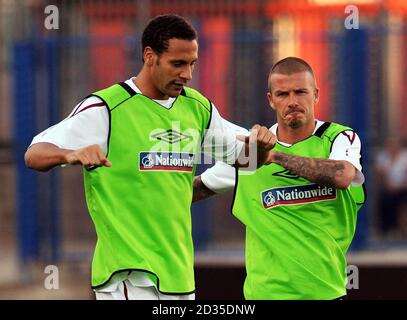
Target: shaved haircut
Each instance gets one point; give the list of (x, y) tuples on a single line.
[(289, 66)]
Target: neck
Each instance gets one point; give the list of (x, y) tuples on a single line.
[(144, 83), (289, 135)]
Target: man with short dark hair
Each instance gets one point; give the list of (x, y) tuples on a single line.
[(138, 141), (300, 211)]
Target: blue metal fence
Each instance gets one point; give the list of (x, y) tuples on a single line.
[(37, 196), (351, 106), (25, 97)]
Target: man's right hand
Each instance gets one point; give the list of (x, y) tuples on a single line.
[(257, 149), (90, 157)]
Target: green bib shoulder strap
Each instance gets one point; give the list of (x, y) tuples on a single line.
[(194, 94), (331, 130), (115, 94)]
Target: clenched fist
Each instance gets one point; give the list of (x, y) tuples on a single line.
[(89, 157), (257, 147)]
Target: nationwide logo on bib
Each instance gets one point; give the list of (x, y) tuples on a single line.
[(296, 195), (166, 161)]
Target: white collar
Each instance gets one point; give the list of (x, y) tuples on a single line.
[(273, 129), (165, 103)]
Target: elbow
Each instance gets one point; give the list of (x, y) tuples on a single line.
[(30, 162), (343, 184), (28, 159), (345, 180)]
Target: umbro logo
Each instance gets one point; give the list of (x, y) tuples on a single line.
[(170, 136)]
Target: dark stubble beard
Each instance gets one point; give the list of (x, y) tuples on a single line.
[(295, 124)]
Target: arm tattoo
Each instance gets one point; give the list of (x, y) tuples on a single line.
[(200, 190), (322, 171)]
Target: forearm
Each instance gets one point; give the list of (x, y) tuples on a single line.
[(327, 172), (201, 191), (251, 160), (44, 156)]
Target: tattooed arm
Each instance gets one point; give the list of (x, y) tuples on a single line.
[(327, 172), (201, 191)]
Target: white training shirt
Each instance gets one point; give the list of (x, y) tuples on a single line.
[(88, 124), (221, 177)]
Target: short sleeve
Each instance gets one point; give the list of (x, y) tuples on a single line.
[(347, 146), (219, 178), (87, 124), (220, 142)]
